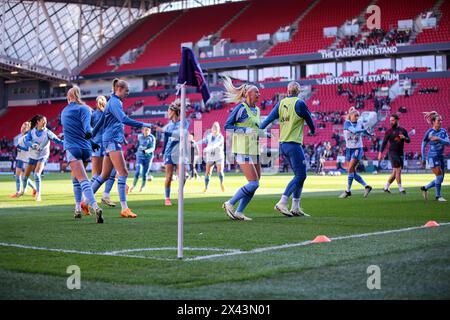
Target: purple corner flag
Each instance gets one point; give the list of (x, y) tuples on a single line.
[(191, 73)]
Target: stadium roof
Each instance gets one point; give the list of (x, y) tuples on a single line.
[(60, 35), (148, 4)]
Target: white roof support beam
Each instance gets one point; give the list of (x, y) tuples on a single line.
[(55, 35)]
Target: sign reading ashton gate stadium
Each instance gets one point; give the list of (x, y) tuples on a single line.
[(357, 79), (352, 52)]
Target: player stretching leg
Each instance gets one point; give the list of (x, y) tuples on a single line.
[(214, 155), (244, 124), (144, 157), (38, 141), (76, 122), (396, 136), (112, 122), (353, 131), (437, 137), (21, 161), (171, 145), (292, 112)]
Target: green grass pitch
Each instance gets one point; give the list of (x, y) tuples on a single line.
[(135, 258)]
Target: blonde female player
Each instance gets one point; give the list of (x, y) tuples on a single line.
[(293, 113), (21, 161), (38, 140), (243, 123), (76, 122), (214, 152), (438, 139), (112, 122), (97, 156), (353, 132)]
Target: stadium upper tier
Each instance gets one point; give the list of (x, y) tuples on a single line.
[(158, 37)]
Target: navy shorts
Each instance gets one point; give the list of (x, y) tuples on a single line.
[(111, 146), (36, 161), (20, 165), (356, 153), (437, 161), (75, 154)]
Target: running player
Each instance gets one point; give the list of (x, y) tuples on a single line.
[(38, 140), (293, 113), (21, 161), (353, 132), (144, 157), (76, 123), (244, 123), (396, 136), (171, 142), (214, 152), (437, 137), (112, 122)]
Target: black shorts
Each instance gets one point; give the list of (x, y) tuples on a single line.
[(396, 160)]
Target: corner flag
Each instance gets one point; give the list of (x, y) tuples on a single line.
[(189, 74)]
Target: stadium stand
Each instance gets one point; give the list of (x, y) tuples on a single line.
[(142, 32), (309, 37), (260, 18), (442, 32), (165, 50)]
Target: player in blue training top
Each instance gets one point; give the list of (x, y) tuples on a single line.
[(171, 145), (38, 141), (293, 113), (353, 132), (112, 121), (21, 161), (76, 123), (144, 157), (437, 137), (98, 155), (244, 123)]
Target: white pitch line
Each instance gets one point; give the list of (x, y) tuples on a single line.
[(170, 249), (118, 253), (305, 243), (15, 245), (228, 252)]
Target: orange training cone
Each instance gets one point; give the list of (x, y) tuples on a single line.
[(431, 224), (321, 239)]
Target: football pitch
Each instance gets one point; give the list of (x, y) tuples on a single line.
[(271, 257)]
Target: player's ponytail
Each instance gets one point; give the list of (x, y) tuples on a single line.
[(431, 116), (75, 94), (35, 120), (351, 111), (101, 103), (118, 83), (235, 94)]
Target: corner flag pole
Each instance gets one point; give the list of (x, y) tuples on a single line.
[(181, 168)]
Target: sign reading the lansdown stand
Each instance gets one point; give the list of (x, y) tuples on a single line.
[(357, 79), (352, 52)]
